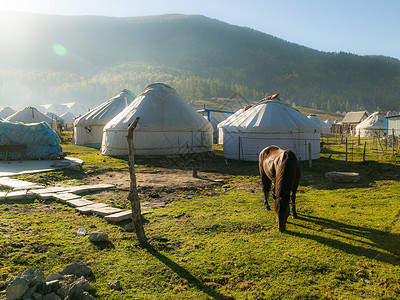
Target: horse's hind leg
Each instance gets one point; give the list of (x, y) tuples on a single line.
[(266, 182), (293, 197)]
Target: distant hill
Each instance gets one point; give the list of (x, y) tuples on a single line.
[(88, 58)]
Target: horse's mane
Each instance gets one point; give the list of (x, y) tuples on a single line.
[(285, 175)]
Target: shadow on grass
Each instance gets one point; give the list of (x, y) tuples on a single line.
[(185, 274), (370, 172), (371, 243)]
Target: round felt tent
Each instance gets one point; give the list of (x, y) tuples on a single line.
[(88, 129), (374, 125), (270, 122), (168, 126), (31, 115), (6, 112), (317, 120), (227, 121)]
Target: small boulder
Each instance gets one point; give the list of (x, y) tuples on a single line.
[(116, 285), (52, 296), (32, 276), (98, 236), (17, 289), (79, 269)]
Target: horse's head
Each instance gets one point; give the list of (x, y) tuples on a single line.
[(281, 208)]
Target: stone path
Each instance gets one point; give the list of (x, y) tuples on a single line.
[(23, 190)]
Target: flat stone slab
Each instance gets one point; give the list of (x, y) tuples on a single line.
[(56, 189), (66, 196), (106, 210), (119, 216), (46, 196), (88, 208), (343, 176), (17, 195), (79, 202), (18, 184), (81, 189), (29, 187)]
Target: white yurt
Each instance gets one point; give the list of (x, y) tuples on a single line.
[(228, 120), (270, 122), (168, 126), (31, 115), (374, 125), (6, 112), (317, 120), (88, 128), (68, 118)]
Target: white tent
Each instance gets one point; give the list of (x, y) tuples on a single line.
[(6, 112), (68, 118), (227, 121), (317, 120), (75, 108), (270, 122), (375, 124), (31, 115), (88, 129), (168, 126)]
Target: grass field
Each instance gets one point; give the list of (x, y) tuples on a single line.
[(218, 242)]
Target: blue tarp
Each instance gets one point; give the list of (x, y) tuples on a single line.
[(42, 142)]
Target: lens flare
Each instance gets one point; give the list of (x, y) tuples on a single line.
[(59, 49)]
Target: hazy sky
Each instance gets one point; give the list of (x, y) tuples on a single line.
[(358, 26)]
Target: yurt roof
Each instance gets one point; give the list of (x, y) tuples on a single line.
[(29, 115), (53, 116), (376, 120), (234, 116), (317, 120), (107, 110), (6, 112), (160, 108), (272, 116)]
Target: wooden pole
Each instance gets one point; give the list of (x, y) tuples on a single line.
[(365, 145), (392, 141), (346, 149), (309, 156), (133, 194)]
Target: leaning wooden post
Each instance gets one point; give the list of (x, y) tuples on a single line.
[(133, 194), (309, 156)]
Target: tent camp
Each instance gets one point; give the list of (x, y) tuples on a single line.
[(28, 141), (88, 129), (374, 125), (31, 115), (270, 122), (168, 126), (317, 120), (228, 120), (6, 112)]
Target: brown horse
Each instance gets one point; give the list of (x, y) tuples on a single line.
[(281, 168)]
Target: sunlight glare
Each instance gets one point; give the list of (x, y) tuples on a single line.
[(59, 49)]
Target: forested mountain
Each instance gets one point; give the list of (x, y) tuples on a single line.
[(89, 59)]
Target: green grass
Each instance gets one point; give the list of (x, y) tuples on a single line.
[(219, 242)]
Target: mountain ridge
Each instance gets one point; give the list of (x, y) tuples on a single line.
[(188, 50)]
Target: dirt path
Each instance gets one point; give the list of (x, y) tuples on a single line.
[(157, 185)]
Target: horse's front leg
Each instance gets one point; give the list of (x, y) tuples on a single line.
[(266, 182)]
